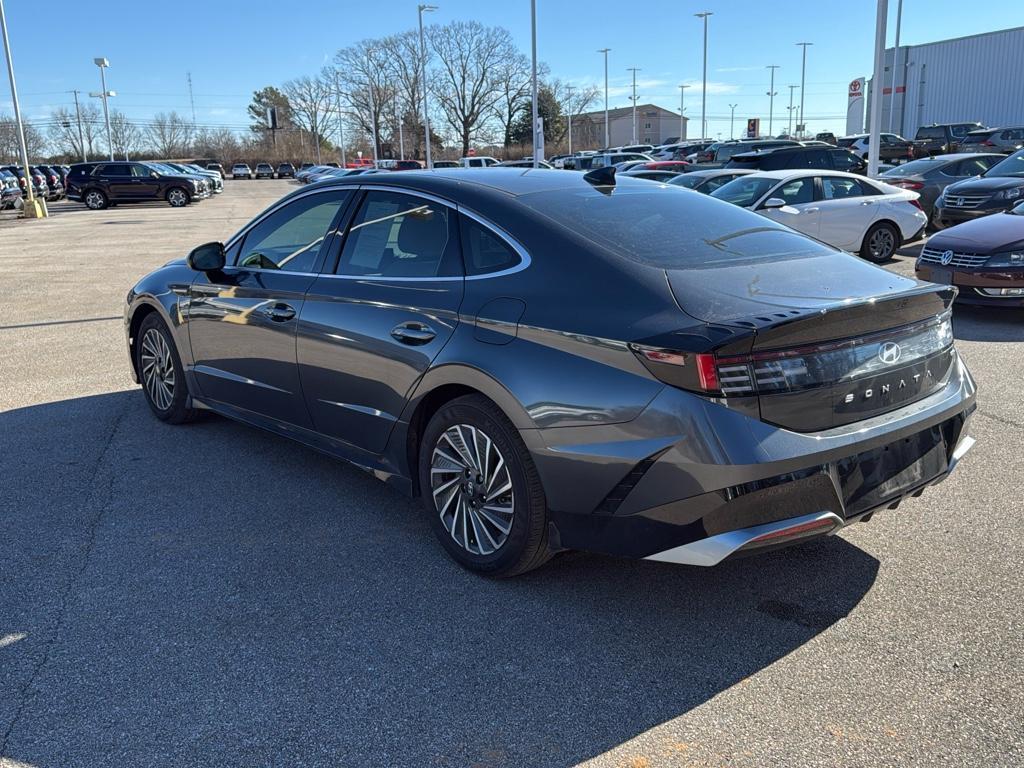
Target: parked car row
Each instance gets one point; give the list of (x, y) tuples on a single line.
[(48, 181)]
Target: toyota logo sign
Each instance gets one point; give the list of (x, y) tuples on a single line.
[(889, 352), (947, 258)]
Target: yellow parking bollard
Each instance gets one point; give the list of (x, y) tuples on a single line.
[(35, 209)]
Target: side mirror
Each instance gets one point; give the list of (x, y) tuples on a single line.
[(208, 257), (773, 203)]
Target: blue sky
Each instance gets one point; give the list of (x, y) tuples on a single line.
[(233, 47)]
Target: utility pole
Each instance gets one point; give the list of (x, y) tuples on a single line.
[(771, 99), (605, 52), (682, 120), (802, 125), (191, 100), (32, 207), (895, 53), (732, 116), (881, 16), (704, 88), (423, 81), (373, 114), (341, 121), (789, 131), (533, 107), (568, 99), (634, 70), (81, 136)]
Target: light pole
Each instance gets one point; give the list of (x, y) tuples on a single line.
[(37, 210), (605, 52), (423, 80), (875, 127), (895, 53), (102, 63), (568, 99), (81, 137), (802, 126), (704, 87), (771, 98), (341, 121), (682, 120), (632, 98), (789, 131), (732, 116), (533, 85)]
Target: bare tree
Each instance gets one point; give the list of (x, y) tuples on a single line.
[(63, 131), (170, 134), (512, 80), (402, 56), (125, 135), (365, 79), (573, 100), (10, 152), (466, 82), (311, 101)]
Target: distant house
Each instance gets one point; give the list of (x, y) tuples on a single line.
[(654, 125)]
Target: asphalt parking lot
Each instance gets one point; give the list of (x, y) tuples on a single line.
[(212, 595)]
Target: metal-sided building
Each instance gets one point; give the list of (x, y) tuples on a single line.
[(965, 79)]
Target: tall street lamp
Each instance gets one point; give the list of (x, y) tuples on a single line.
[(802, 126), (682, 120), (895, 53), (32, 208), (771, 98), (102, 63), (789, 131), (732, 116), (533, 79), (605, 52), (632, 98), (423, 79), (704, 87)]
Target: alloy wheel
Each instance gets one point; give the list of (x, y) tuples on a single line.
[(472, 489), (94, 200), (157, 369), (176, 198), (882, 244)]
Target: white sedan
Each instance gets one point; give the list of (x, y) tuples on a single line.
[(842, 209)]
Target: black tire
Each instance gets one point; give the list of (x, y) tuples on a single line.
[(177, 197), (880, 243), (526, 544), (95, 199), (175, 410)]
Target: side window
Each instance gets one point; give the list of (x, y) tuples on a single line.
[(843, 160), (715, 182), (396, 235), (837, 188), (483, 250), (290, 238), (972, 167), (140, 171), (796, 191), (815, 158), (119, 171)]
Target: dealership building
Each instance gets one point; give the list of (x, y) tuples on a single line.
[(966, 79)]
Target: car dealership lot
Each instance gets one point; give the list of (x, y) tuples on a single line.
[(213, 595)]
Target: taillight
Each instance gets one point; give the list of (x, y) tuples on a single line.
[(987, 143), (916, 204), (790, 370), (907, 184)]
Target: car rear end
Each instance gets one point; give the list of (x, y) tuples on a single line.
[(802, 389), (241, 171), (264, 171)]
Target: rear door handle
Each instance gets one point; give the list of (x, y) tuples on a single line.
[(413, 333), (279, 312), (811, 210), (868, 202)]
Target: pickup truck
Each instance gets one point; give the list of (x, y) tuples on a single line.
[(477, 161), (942, 139)]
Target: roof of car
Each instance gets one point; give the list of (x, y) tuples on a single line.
[(794, 173)]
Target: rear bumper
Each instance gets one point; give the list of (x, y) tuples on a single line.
[(718, 482)]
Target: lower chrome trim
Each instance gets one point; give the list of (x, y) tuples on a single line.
[(714, 549)]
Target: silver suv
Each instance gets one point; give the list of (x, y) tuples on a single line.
[(1005, 140)]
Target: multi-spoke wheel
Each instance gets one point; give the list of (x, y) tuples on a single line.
[(160, 372), (95, 200), (880, 243), (472, 489), (482, 490), (178, 198)]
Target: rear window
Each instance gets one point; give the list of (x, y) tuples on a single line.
[(977, 138), (670, 228), (931, 133), (924, 165), (845, 142)]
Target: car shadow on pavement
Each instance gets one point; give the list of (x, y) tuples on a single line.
[(211, 594), (976, 323)]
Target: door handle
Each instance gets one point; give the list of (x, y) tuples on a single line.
[(279, 312), (413, 333), (811, 210), (868, 202)]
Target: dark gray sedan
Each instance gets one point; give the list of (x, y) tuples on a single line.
[(707, 181), (562, 361), (929, 176)]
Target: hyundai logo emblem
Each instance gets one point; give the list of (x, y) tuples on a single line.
[(947, 258), (889, 352)]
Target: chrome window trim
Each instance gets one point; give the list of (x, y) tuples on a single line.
[(524, 256)]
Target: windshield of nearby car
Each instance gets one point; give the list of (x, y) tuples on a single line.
[(915, 166), (744, 191), (164, 170), (669, 228), (1011, 166)]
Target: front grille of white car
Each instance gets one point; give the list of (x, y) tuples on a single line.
[(934, 256)]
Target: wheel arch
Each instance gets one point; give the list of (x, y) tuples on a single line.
[(142, 308)]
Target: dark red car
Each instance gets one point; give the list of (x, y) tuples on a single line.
[(984, 258), (680, 166)]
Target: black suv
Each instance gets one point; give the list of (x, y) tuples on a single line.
[(784, 158), (101, 184), (942, 139), (286, 171)]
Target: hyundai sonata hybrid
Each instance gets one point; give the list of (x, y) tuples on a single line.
[(554, 361)]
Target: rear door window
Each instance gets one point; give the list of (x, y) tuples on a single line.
[(973, 166), (119, 170), (843, 160), (841, 188)]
